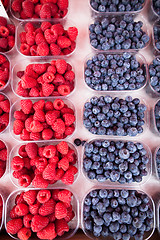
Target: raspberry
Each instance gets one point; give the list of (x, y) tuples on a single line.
[(43, 49), (28, 8), (21, 91), (61, 66), (62, 147), (28, 82), (3, 21), (49, 151), (3, 43), (27, 220), (22, 36), (39, 38), (61, 227), (36, 126), (65, 196), (3, 154), (4, 120), (59, 174), (12, 213), (55, 49), (51, 116), (19, 198), (20, 115), (55, 194), (31, 150), (43, 196), (62, 4), (72, 33), (58, 104), (47, 232), (49, 172), (22, 151), (27, 163), (39, 116), (39, 105), (63, 42), (2, 145), (60, 210), (69, 76), (39, 182), (68, 177), (5, 105), (28, 122), (48, 77), (34, 208), (54, 159), (47, 208), (24, 180), (30, 197), (69, 119), (58, 126), (17, 163), (41, 163), (45, 11), (4, 32), (30, 38), (21, 209), (38, 223), (64, 90), (70, 215), (45, 25), (48, 106), (34, 92), (26, 106), (18, 126), (11, 29), (47, 134), (14, 225), (64, 164), (50, 36), (24, 233), (47, 89), (17, 174)]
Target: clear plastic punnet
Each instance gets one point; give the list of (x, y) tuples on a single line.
[(15, 150), (73, 224)]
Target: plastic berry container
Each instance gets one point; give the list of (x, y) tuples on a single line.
[(14, 152), (140, 58), (113, 95), (6, 162), (2, 220), (16, 15), (73, 224), (16, 106), (96, 12), (119, 16), (21, 66), (154, 10), (6, 98), (116, 183), (21, 28), (9, 77), (147, 235)]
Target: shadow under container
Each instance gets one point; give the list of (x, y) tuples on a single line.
[(14, 152), (95, 12), (21, 28), (140, 58), (73, 224), (108, 181), (17, 106), (147, 235), (119, 17), (21, 65)]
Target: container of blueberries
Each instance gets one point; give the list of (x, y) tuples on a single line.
[(154, 74), (17, 107), (106, 161), (73, 224), (115, 71), (15, 152), (116, 116), (119, 32), (118, 213), (116, 6)]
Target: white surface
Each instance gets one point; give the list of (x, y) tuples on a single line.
[(79, 13)]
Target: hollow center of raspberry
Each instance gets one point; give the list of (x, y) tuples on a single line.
[(48, 153)]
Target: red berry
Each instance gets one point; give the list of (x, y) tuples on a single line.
[(31, 150), (47, 232), (21, 209), (62, 147), (14, 225), (38, 223), (61, 227), (43, 196), (60, 210), (24, 233), (30, 197)]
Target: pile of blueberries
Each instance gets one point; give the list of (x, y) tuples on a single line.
[(154, 71), (121, 32), (157, 115), (118, 161), (156, 30), (158, 162), (105, 115), (121, 214), (117, 5), (114, 72), (156, 6)]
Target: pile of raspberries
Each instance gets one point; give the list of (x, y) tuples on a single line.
[(5, 3), (46, 213), (47, 79), (4, 112), (48, 39), (3, 158), (7, 35), (4, 71), (43, 9), (1, 210), (43, 120), (44, 165)]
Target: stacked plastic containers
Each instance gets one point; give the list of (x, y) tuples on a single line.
[(113, 167)]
